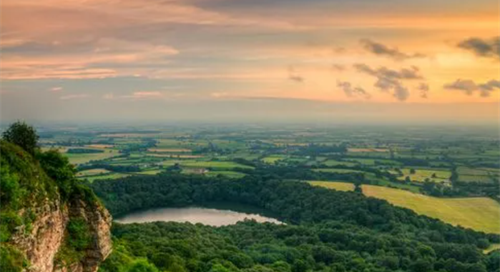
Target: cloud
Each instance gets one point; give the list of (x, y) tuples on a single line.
[(56, 89), (338, 67), (482, 47), (469, 87), (383, 50), (401, 93), (292, 75), (108, 96), (351, 91), (391, 80), (424, 89), (73, 96), (99, 58), (144, 95)]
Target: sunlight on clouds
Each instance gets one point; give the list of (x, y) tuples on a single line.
[(221, 50)]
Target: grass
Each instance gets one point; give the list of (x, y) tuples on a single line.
[(229, 174), (337, 163), (467, 174), (491, 248), (86, 157), (371, 162), (336, 185), (471, 178), (175, 156), (422, 174), (368, 150), (108, 176), (478, 213), (219, 165), (149, 172), (92, 172), (170, 150), (337, 170), (272, 159)]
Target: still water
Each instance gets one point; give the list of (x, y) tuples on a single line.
[(206, 216)]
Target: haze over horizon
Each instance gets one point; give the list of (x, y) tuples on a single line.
[(387, 61)]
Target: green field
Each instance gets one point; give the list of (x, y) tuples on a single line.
[(86, 157), (149, 172), (467, 174), (371, 162), (480, 213), (272, 159), (491, 248), (421, 174), (337, 163), (337, 170), (214, 164), (107, 176), (92, 172), (229, 174), (336, 185)]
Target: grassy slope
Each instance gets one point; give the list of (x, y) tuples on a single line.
[(481, 213)]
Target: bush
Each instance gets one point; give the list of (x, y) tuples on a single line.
[(23, 135), (11, 259), (78, 234)]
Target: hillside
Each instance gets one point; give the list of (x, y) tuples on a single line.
[(49, 222)]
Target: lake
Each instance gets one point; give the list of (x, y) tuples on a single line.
[(206, 216)]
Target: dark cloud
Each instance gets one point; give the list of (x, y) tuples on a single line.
[(351, 91), (292, 75), (482, 47), (401, 93), (391, 80), (470, 87), (424, 89), (383, 50)]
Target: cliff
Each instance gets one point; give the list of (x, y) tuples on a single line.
[(48, 221)]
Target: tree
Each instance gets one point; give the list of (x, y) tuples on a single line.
[(23, 135), (142, 265)]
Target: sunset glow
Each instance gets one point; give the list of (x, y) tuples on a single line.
[(104, 53)]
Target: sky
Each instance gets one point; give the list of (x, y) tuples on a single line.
[(259, 60)]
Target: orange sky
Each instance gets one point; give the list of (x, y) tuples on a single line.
[(339, 51)]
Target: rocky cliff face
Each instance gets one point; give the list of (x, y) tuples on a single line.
[(49, 221), (48, 233)]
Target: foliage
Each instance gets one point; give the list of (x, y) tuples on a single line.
[(78, 234), (23, 135), (11, 259), (326, 230), (27, 181), (84, 151), (58, 168)]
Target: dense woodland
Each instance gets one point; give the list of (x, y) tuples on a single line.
[(325, 230)]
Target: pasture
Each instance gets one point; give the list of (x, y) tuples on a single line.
[(422, 174), (219, 165), (478, 213), (467, 174), (170, 150), (337, 170), (272, 159), (334, 163), (87, 157), (92, 172), (229, 174), (336, 185), (111, 175)]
